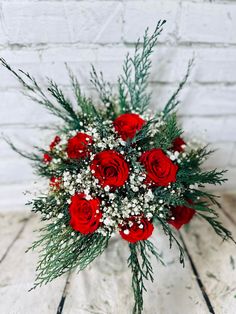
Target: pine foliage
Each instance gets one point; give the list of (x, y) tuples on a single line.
[(62, 249)]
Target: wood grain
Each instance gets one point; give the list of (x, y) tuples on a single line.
[(17, 276), (215, 262), (207, 284)]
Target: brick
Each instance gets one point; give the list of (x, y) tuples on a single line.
[(221, 156), (48, 63), (95, 22), (232, 161), (215, 65), (231, 183), (146, 14), (13, 196), (24, 138), (15, 170), (211, 129), (211, 65), (55, 22), (3, 36), (35, 22), (209, 101), (197, 100), (17, 108), (169, 64), (110, 60), (207, 23), (228, 186)]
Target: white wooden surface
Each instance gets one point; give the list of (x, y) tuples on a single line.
[(207, 284)]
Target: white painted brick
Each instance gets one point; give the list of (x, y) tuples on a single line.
[(228, 186), (215, 65), (110, 60), (231, 183), (211, 129), (95, 22), (221, 156), (27, 22), (56, 22), (208, 22), (49, 63), (12, 197), (17, 108), (68, 53), (24, 138), (14, 170), (198, 100), (209, 101), (3, 37), (145, 14), (232, 161), (169, 64), (211, 65), (15, 196), (41, 71)]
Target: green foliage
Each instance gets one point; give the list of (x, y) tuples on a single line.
[(192, 176), (32, 156), (35, 92), (62, 252), (172, 238), (133, 83), (103, 88), (173, 101), (218, 227), (63, 249), (141, 267), (167, 133)]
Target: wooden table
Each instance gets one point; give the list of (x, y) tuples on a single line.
[(207, 284)]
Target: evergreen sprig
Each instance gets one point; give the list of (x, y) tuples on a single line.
[(173, 102), (217, 225), (172, 238), (133, 82), (61, 252), (140, 264), (62, 248)]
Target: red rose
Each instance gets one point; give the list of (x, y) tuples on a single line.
[(178, 144), (160, 169), (136, 229), (110, 168), (182, 215), (47, 158), (56, 141), (128, 124), (85, 214), (77, 146), (55, 182)]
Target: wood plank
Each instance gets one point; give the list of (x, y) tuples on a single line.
[(17, 277), (215, 262), (11, 226), (229, 206), (105, 286)]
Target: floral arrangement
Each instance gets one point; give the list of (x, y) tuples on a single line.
[(116, 168)]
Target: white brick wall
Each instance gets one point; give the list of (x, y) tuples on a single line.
[(39, 36)]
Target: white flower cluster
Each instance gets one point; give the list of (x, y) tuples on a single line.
[(117, 206)]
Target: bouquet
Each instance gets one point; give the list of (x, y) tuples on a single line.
[(116, 168)]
